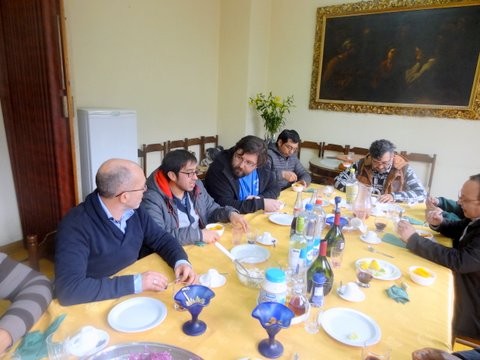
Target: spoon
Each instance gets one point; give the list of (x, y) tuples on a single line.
[(373, 250)]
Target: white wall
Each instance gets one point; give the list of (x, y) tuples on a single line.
[(188, 67)]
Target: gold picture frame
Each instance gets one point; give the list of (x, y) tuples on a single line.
[(415, 58)]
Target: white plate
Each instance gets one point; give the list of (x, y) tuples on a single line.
[(281, 219), (252, 251), (387, 271), (137, 314), (268, 242), (218, 281), (377, 240), (350, 327), (360, 296)]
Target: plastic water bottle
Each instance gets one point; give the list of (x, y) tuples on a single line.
[(319, 226), (309, 232)]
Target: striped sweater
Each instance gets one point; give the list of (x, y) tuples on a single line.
[(29, 292)]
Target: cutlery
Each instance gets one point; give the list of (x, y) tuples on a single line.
[(229, 254), (373, 250)]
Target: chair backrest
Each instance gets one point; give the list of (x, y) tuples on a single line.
[(424, 166), (332, 150), (207, 142), (359, 150), (149, 164), (177, 144), (40, 249), (309, 149)]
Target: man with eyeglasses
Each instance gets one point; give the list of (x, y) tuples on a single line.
[(105, 234), (242, 177), (178, 202), (288, 168), (463, 258), (387, 172)]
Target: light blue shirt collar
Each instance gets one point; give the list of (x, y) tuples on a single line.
[(122, 223)]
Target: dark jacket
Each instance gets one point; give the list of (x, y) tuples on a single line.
[(281, 162), (90, 249), (223, 185), (464, 261)]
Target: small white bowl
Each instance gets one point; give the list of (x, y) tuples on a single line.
[(219, 228), (422, 280), (297, 187)]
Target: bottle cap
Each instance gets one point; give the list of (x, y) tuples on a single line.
[(275, 275), (308, 206), (319, 278)]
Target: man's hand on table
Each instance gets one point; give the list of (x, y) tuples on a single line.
[(432, 354), (184, 273), (238, 221), (209, 236), (405, 230), (154, 281), (272, 205), (385, 198)]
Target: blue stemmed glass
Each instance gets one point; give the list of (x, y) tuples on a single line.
[(273, 316), (194, 298)]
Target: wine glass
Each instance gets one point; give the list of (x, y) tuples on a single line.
[(273, 317), (194, 298)]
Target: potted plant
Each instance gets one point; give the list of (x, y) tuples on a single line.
[(272, 109)]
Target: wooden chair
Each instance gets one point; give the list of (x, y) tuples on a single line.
[(359, 150), (205, 141), (310, 145), (177, 144), (40, 249), (333, 148), (146, 149), (428, 169)]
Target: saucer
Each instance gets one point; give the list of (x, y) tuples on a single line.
[(377, 240), (218, 281), (267, 242), (358, 297)]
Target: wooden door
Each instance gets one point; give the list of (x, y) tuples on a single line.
[(38, 128)]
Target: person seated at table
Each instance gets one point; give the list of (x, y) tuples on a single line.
[(447, 208), (242, 177), (105, 234), (286, 164), (387, 172), (463, 258), (437, 354), (179, 203), (29, 293)]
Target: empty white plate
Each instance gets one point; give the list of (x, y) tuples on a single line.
[(137, 314)]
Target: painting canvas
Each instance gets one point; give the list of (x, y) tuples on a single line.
[(406, 59)]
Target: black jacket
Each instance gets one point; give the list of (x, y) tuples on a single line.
[(223, 185)]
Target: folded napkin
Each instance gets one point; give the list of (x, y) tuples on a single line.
[(398, 294), (33, 345), (413, 221), (392, 239)]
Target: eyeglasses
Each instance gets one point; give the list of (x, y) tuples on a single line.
[(382, 163), (134, 190), (463, 200), (240, 159), (290, 147), (190, 173)]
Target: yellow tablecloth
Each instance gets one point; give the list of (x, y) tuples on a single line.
[(232, 332)]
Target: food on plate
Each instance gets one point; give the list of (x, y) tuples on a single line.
[(216, 227), (298, 186), (374, 265), (353, 336), (422, 272)]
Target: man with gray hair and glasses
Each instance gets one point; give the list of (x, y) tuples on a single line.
[(243, 178), (387, 172), (463, 258)]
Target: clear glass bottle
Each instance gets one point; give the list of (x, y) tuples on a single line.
[(298, 301), (351, 187), (297, 248)]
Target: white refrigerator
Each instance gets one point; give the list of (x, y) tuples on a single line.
[(104, 134)]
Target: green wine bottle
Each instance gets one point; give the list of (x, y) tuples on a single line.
[(334, 237), (321, 265)]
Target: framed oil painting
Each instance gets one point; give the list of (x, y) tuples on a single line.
[(418, 58)]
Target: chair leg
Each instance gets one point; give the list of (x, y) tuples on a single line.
[(32, 249)]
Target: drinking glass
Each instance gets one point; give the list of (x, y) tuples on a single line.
[(252, 235), (364, 276), (376, 352), (336, 257), (312, 324), (380, 223), (328, 192), (55, 348)]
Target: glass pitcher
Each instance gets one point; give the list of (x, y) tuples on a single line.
[(362, 205)]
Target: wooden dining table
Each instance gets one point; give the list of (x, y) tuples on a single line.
[(232, 333)]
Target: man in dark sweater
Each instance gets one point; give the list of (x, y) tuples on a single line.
[(105, 233), (463, 258)]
